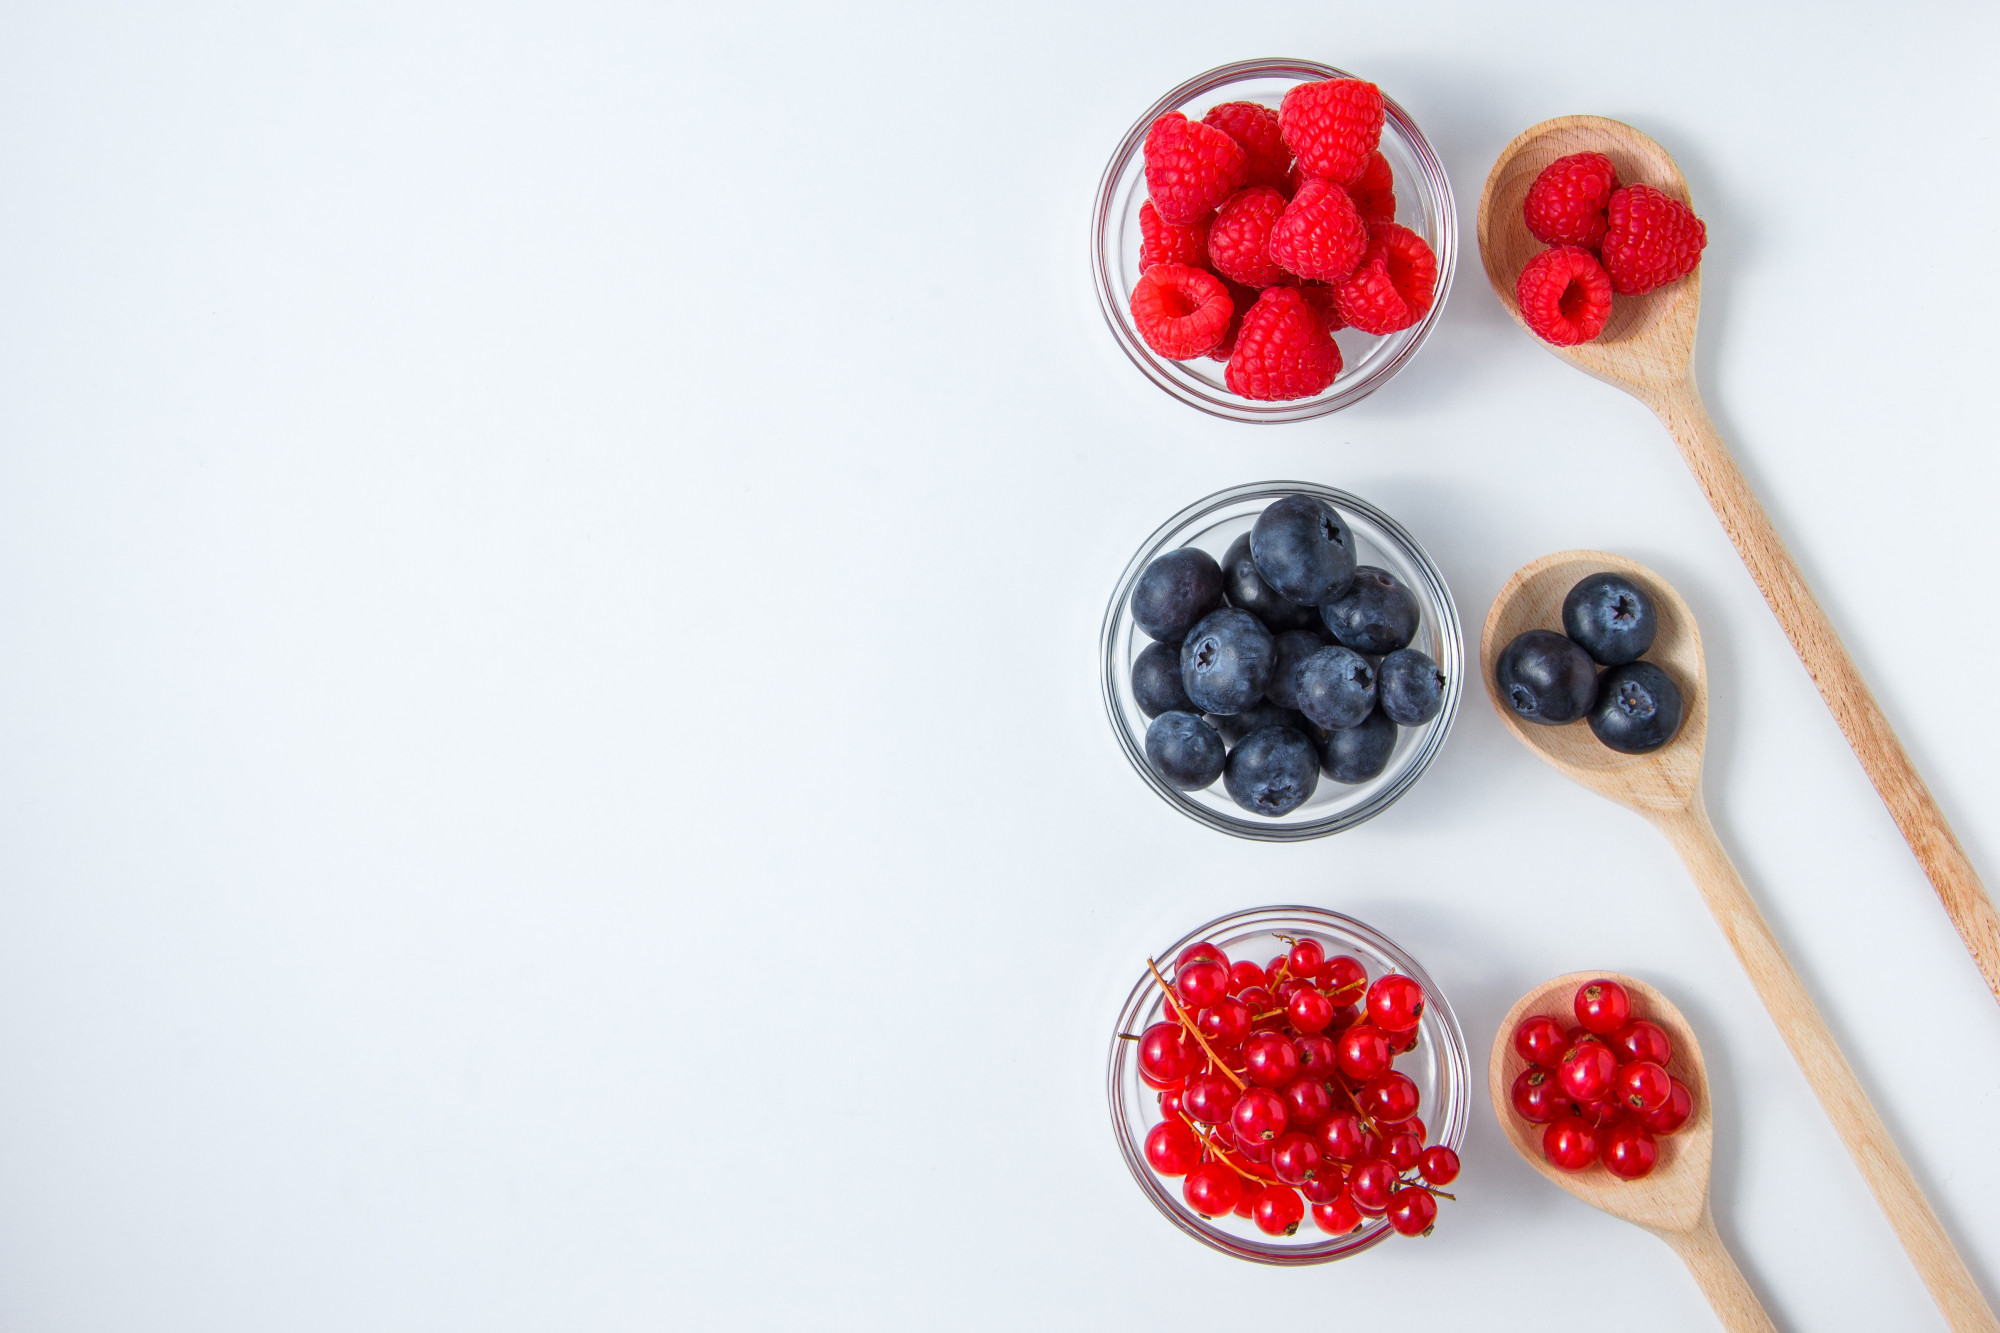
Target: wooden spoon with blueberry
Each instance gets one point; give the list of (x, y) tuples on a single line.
[(1641, 339), (1552, 625)]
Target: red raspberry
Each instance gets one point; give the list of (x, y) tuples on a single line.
[(1320, 236), (1565, 205), (1255, 127), (1652, 239), (1181, 312), (1374, 194), (1282, 351), (1239, 238), (1393, 286), (1324, 300), (1190, 167), (1565, 295), (1333, 126), (1169, 243), (1242, 298)]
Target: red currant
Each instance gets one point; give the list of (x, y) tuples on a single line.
[(1339, 1218), (1412, 1211), (1172, 1099), (1307, 1101), (1225, 1023), (1166, 1055), (1306, 958), (1318, 1056), (1172, 1148), (1602, 1113), (1630, 1152), (1295, 1157), (1277, 969), (1270, 1058), (1370, 1184), (1388, 1098), (1540, 1041), (1669, 1117), (1201, 982), (1278, 1210), (1212, 1189), (1258, 1000), (1246, 1201), (1209, 1098), (1243, 975), (1363, 1052), (1537, 1098), (1255, 1152), (1259, 1116), (1587, 1070), (1642, 1040), (1327, 1183), (1395, 1003), (1569, 1144), (1345, 1139), (1289, 987), (1402, 1043), (1403, 1149), (1415, 1125), (1439, 1165), (1602, 1006), (1203, 949), (1310, 1011), (1643, 1086), (1343, 979)]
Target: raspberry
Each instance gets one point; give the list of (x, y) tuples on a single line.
[(1374, 194), (1255, 127), (1239, 238), (1565, 295), (1651, 239), (1393, 286), (1181, 312), (1242, 298), (1170, 243), (1320, 236), (1190, 167), (1332, 125), (1323, 298), (1565, 205), (1282, 351)]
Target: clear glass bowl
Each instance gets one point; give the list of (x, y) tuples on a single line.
[(1212, 524), (1439, 1065), (1423, 204)]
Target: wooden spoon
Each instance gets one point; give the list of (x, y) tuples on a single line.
[(1647, 349), (1665, 787), (1671, 1202)]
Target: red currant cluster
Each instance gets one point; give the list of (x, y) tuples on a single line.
[(1277, 1092), (1601, 1087)]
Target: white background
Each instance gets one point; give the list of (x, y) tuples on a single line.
[(551, 770)]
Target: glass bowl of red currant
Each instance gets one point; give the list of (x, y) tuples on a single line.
[(1289, 1086)]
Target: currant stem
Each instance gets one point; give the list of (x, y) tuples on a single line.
[(1220, 1154), (1180, 1016)]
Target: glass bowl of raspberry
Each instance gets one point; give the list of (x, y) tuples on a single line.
[(1215, 525), (1422, 208), (1434, 1066)]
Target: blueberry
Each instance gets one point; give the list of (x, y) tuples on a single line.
[(1376, 615), (1235, 726), (1336, 687), (1356, 754), (1611, 618), (1272, 772), (1410, 687), (1546, 678), (1185, 750), (1176, 590), (1293, 647), (1226, 661), (1156, 681), (1303, 549), (1638, 708), (1246, 588)]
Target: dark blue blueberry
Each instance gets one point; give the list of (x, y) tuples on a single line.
[(1356, 754), (1410, 687), (1638, 708), (1272, 772), (1185, 750), (1156, 681), (1174, 591), (1611, 618), (1376, 615), (1293, 647), (1246, 588), (1226, 661), (1336, 687), (1235, 726), (1303, 549), (1546, 677)]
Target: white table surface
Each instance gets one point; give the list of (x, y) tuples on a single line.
[(551, 768)]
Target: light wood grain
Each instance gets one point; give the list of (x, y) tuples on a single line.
[(1665, 787), (1672, 1202), (1647, 349)]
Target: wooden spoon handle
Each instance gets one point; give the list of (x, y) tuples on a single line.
[(1853, 1115), (1702, 1250), (1888, 765)]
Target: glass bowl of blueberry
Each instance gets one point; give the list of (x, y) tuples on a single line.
[(1403, 186), (1273, 716), (1297, 1130)]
